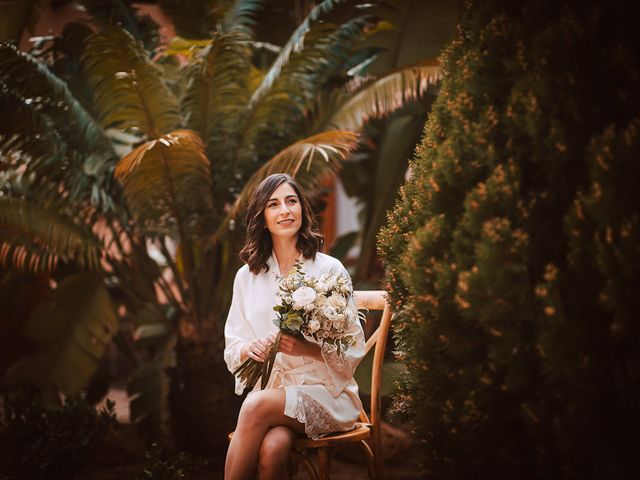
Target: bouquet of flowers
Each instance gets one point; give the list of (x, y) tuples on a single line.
[(318, 308)]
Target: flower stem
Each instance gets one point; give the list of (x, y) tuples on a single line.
[(269, 360)]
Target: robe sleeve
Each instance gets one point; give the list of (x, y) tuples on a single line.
[(237, 331), (341, 366)]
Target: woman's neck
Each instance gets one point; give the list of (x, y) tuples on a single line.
[(286, 252)]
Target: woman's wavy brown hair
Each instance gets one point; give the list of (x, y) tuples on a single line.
[(258, 244)]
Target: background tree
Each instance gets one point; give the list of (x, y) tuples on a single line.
[(513, 251), (123, 192), (412, 32)]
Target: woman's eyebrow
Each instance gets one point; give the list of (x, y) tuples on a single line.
[(274, 199)]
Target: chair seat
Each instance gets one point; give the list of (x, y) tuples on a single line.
[(361, 431)]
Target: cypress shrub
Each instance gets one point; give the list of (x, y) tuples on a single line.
[(513, 251)]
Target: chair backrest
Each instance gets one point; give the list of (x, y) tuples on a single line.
[(375, 300)]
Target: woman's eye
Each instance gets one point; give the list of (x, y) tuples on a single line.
[(293, 200), (272, 204)]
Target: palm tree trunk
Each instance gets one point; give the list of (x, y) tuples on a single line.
[(203, 405)]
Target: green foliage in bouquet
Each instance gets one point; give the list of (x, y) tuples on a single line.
[(513, 253), (39, 442)]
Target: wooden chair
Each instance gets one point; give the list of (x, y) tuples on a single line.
[(367, 430)]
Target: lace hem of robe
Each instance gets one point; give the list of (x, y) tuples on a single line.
[(317, 421)]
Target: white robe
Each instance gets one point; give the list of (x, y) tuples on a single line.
[(321, 394)]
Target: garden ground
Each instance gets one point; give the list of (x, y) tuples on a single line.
[(122, 458)]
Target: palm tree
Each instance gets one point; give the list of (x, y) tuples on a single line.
[(150, 237), (375, 171)]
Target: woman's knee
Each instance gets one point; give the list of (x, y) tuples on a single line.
[(251, 404), (257, 407), (250, 410), (275, 448)]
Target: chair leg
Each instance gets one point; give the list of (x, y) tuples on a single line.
[(324, 463), (371, 460), (376, 447), (308, 466), (292, 466)]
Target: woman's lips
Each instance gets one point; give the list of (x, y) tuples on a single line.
[(288, 221)]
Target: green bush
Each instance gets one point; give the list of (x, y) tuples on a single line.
[(40, 442), (161, 467), (513, 253)]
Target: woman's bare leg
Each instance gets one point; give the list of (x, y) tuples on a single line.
[(273, 458), (260, 412)]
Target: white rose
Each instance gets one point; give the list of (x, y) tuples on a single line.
[(302, 297), (329, 312), (337, 301), (345, 288), (314, 326), (321, 286)]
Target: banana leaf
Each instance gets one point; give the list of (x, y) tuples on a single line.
[(73, 329)]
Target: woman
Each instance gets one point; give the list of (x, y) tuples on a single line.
[(311, 389)]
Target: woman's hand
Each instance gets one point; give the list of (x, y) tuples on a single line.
[(299, 346), (257, 349)]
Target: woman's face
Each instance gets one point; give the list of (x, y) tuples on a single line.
[(283, 213)]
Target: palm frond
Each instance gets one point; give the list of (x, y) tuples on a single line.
[(308, 160), (73, 329), (35, 237), (43, 110), (281, 113), (106, 13), (129, 91), (32, 82), (383, 96), (167, 185), (241, 15), (26, 132), (218, 89), (294, 44)]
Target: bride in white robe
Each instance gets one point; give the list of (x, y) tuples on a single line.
[(322, 394), (311, 390)]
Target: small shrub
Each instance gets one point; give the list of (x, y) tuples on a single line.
[(40, 442), (160, 467)]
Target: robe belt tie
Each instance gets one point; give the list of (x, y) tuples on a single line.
[(281, 374)]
